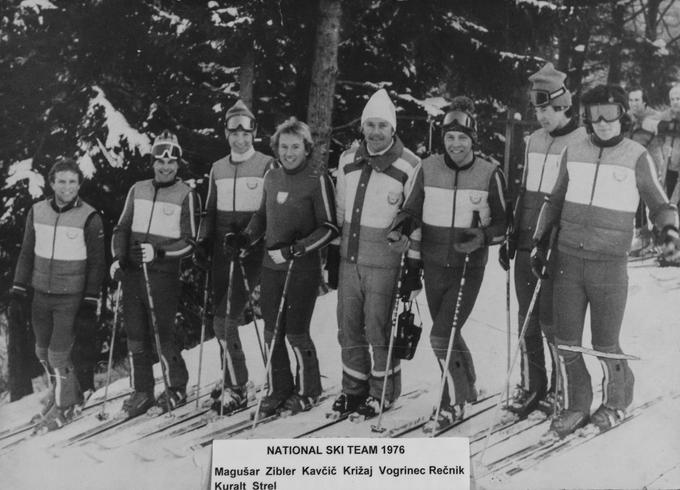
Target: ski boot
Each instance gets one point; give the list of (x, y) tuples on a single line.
[(523, 402), (641, 241), (46, 402), (345, 404), (447, 417), (567, 421), (55, 419), (137, 404), (297, 403), (172, 396), (270, 405), (605, 417), (369, 409), (235, 399)]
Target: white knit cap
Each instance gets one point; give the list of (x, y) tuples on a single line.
[(380, 106)]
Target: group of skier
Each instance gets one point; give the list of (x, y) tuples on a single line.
[(390, 224)]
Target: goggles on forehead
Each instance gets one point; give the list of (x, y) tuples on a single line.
[(459, 120), (542, 98), (244, 123), (166, 150), (603, 112)]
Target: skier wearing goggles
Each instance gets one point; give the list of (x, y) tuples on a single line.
[(600, 180), (234, 194)]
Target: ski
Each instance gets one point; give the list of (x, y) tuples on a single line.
[(474, 409), (596, 353), (528, 456)]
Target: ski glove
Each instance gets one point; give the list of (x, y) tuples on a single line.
[(281, 254), (671, 241), (333, 265), (201, 256), (538, 260), (411, 284), (472, 239), (236, 244), (143, 253), (86, 317), (397, 242), (668, 128), (117, 269)]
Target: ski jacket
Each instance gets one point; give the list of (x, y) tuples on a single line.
[(640, 134), (63, 250), (370, 192), (162, 215), (297, 207), (234, 194), (443, 202), (541, 165), (668, 144), (596, 194)]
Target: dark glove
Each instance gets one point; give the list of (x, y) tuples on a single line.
[(201, 256), (18, 292), (144, 253), (538, 260), (667, 128), (411, 285), (281, 254), (472, 239), (333, 265), (235, 244), (18, 302), (87, 314), (506, 252), (670, 240)]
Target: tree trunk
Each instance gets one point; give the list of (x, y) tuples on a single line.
[(615, 42), (246, 76), (322, 83), (649, 70)]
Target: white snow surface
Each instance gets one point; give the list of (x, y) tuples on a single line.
[(642, 453)]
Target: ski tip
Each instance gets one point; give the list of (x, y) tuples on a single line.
[(356, 418), (377, 429)]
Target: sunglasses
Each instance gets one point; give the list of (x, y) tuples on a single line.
[(460, 120), (541, 98), (244, 123), (603, 112), (166, 150)]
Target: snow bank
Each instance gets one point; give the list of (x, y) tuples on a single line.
[(24, 170)]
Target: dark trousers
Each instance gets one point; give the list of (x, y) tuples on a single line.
[(294, 325), (442, 286)]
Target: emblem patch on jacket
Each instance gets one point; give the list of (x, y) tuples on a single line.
[(72, 234), (475, 198), (619, 175), (168, 210), (393, 198), (281, 197), (252, 184)]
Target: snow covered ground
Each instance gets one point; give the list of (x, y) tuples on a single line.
[(642, 453)]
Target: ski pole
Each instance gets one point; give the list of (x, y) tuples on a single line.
[(225, 351), (102, 415), (250, 303), (452, 335), (157, 337), (277, 326), (508, 334), (522, 334), (204, 320), (388, 362)]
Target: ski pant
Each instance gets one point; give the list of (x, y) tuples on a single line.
[(226, 326), (86, 348), (365, 301), (533, 368), (670, 181), (294, 324), (641, 215), (442, 286), (602, 284), (53, 316), (165, 288)]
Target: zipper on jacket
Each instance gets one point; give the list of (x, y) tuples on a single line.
[(597, 171), (453, 216), (153, 205), (233, 196), (54, 241), (545, 159)]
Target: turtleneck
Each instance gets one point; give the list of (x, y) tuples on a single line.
[(242, 157), (608, 143), (161, 185), (454, 166), (298, 169), (571, 125), (381, 152)]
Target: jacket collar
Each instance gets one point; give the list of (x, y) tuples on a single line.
[(381, 162), (571, 125), (454, 166), (161, 185), (75, 203)]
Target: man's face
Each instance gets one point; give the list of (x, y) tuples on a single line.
[(291, 150), (240, 141), (549, 118), (674, 99), (378, 134), (66, 185), (458, 146), (607, 130), (165, 170), (637, 106)]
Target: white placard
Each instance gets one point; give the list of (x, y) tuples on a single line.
[(341, 463)]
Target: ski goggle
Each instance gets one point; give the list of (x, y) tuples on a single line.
[(166, 150), (459, 121), (603, 112), (245, 123), (542, 98)]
